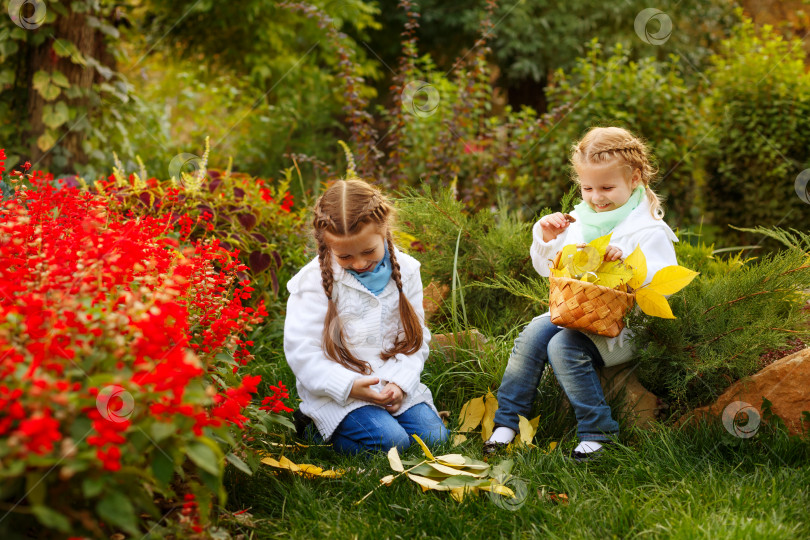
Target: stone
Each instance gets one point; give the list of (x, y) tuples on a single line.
[(639, 406), (785, 383), (469, 339)]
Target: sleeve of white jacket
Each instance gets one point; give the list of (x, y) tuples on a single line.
[(306, 312), (658, 251), (541, 251), (406, 370)]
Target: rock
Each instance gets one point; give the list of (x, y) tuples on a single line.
[(469, 339), (785, 383), (434, 295), (639, 406)]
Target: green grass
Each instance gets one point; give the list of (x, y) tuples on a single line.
[(696, 482)]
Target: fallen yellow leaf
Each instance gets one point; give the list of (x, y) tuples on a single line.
[(458, 439), (303, 469), (471, 414), (425, 449), (454, 460), (527, 431), (488, 421), (427, 483), (450, 471), (393, 459)]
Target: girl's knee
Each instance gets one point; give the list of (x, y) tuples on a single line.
[(569, 346)]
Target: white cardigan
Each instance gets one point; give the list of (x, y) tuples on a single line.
[(639, 228), (370, 325)]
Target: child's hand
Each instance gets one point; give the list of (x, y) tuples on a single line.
[(552, 225), (361, 389), (613, 253), (396, 401)]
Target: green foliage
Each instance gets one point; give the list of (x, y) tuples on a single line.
[(254, 216), (647, 97), (492, 254), (758, 109), (726, 319)]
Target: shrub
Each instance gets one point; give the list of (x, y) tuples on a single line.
[(254, 216), (730, 315), (647, 97), (487, 252), (120, 351), (759, 107)]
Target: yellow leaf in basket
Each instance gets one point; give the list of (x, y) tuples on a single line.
[(601, 244), (638, 262), (653, 303), (671, 279), (612, 274), (584, 260), (565, 254)]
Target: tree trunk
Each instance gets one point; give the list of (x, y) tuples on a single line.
[(91, 43)]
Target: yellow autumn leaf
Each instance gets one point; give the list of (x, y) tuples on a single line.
[(488, 421), (424, 447), (584, 260), (638, 263), (653, 303), (612, 274), (451, 471), (500, 489), (552, 445), (304, 469), (601, 244), (526, 429), (427, 483), (671, 279), (565, 254), (453, 460), (387, 479), (458, 439), (471, 414), (394, 461), (459, 492)]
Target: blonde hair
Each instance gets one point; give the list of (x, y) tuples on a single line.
[(602, 145), (343, 210)]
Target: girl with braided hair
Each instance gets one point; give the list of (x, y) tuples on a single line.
[(354, 333), (613, 170)]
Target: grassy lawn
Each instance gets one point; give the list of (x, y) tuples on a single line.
[(696, 482)]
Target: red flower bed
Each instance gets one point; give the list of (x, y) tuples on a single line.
[(119, 356)]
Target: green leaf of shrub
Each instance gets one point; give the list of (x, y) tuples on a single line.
[(51, 518), (116, 509), (204, 457)]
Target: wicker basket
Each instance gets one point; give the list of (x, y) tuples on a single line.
[(585, 306)]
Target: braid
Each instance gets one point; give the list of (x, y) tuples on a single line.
[(322, 220), (411, 322), (375, 210), (395, 270), (327, 278)]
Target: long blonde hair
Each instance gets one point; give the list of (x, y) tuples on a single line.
[(343, 210), (602, 145)]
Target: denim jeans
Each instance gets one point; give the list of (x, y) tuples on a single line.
[(574, 359), (373, 428)]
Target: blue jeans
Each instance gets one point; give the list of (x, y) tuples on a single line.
[(373, 428), (574, 359)]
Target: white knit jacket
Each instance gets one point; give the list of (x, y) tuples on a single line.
[(370, 325), (639, 228)]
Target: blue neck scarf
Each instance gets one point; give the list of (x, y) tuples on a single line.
[(376, 280)]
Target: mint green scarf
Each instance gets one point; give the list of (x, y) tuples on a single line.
[(596, 224)]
